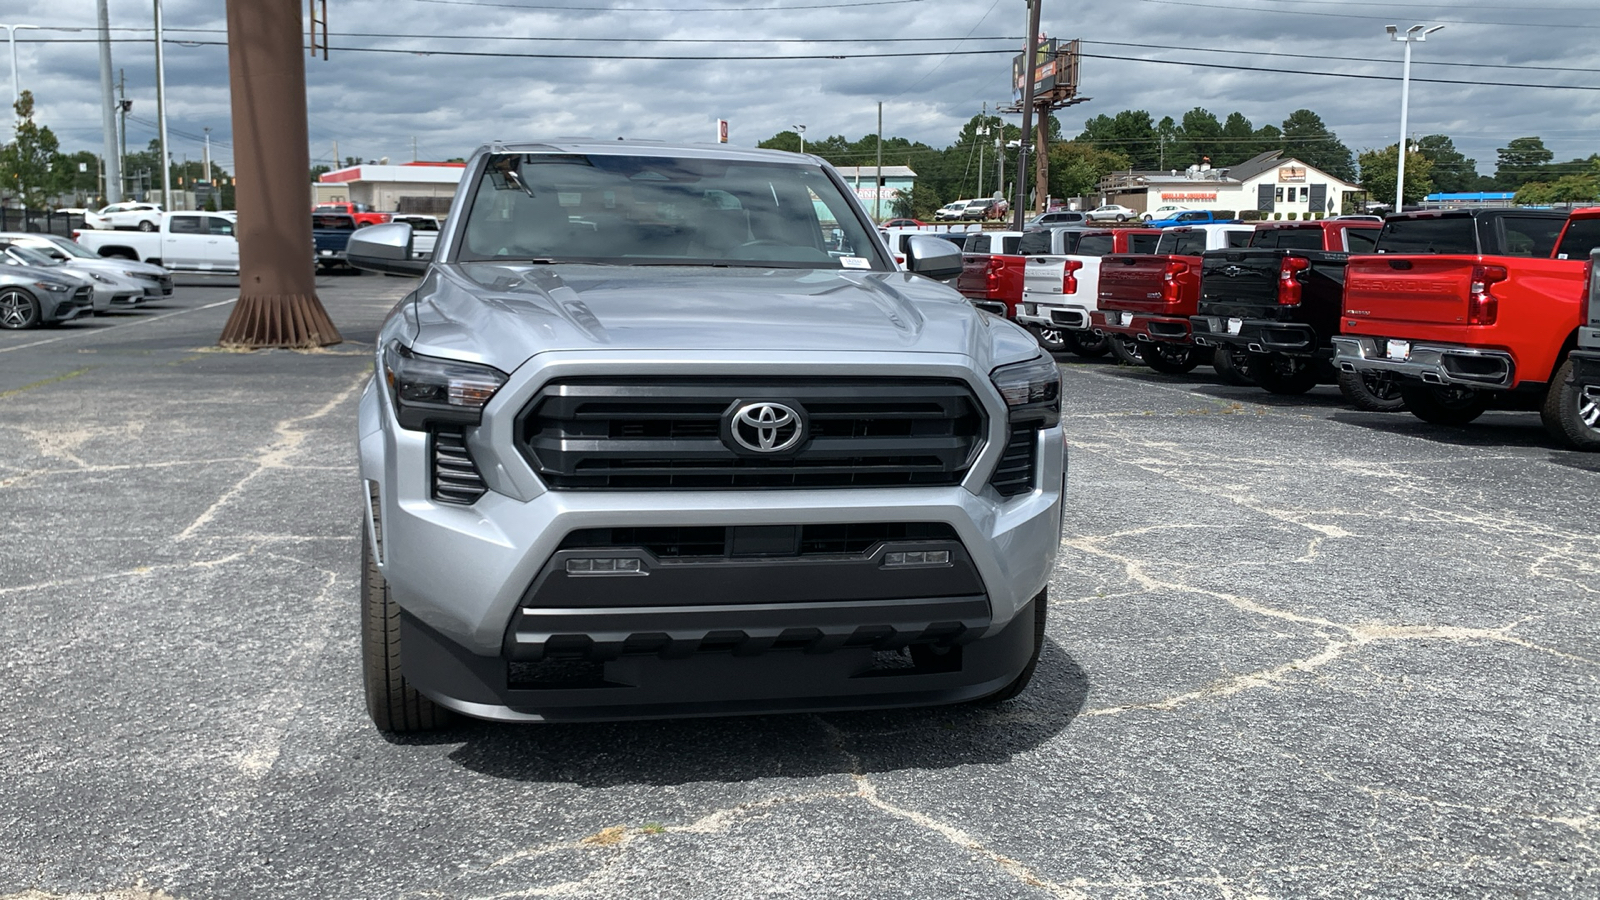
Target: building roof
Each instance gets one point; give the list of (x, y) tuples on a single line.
[(853, 172), (413, 173), (1257, 164)]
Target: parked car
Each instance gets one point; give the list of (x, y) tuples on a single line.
[(361, 212), (1111, 212), (1194, 217), (1060, 291), (1270, 310), (111, 290), (155, 281), (1165, 211), (330, 238), (425, 232), (188, 242), (1473, 309), (642, 467), (985, 209), (31, 296), (892, 223), (1059, 217), (129, 215), (1146, 299), (951, 212)]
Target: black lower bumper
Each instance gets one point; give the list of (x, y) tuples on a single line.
[(728, 659), (1586, 367), (1258, 336)]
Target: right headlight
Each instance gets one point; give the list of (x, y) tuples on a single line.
[(427, 390), (55, 287), (1032, 390)]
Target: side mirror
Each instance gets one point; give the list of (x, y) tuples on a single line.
[(934, 257), (384, 248)]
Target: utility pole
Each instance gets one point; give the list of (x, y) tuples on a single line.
[(982, 131), (337, 162), (413, 148), (208, 155), (1029, 50), (877, 196), (123, 105), (161, 115), (108, 114)]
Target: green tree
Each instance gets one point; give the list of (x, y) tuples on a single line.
[(1238, 141), (1307, 139), (1076, 168), (318, 171), (1380, 168), (784, 140), (1520, 161), (28, 162), (1131, 132), (1452, 171), (1199, 140), (1566, 189)]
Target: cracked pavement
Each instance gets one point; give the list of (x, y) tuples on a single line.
[(1295, 651)]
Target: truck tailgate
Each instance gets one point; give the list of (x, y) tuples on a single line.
[(1044, 276), (1140, 282), (1428, 290), (1240, 282)]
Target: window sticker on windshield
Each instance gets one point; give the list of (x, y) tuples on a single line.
[(855, 262)]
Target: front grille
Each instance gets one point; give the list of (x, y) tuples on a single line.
[(1014, 475), (710, 542), (455, 475), (589, 434)]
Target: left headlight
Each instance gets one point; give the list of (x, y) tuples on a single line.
[(430, 390), (1032, 390), (100, 278)]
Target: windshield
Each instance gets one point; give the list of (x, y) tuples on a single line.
[(32, 257), (67, 248), (642, 210)]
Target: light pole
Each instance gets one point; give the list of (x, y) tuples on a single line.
[(11, 38), (801, 129), (1414, 34)]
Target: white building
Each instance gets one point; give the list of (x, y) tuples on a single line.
[(883, 185), (1270, 183), (412, 187)]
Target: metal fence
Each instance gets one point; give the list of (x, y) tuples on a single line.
[(40, 220)]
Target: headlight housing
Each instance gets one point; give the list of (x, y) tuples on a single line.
[(1032, 390), (55, 287), (100, 278), (427, 390)]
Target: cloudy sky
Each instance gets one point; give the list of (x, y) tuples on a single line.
[(1165, 56)]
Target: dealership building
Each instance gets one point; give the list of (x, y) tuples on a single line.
[(1269, 182), (417, 187)]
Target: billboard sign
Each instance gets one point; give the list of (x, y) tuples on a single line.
[(722, 131)]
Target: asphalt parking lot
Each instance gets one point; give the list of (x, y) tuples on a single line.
[(1295, 651)]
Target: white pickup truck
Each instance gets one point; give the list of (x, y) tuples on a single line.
[(185, 242), (1059, 290)]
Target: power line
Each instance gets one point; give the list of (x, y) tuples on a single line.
[(1298, 12), (547, 38), (1173, 62), (634, 9), (1235, 52)]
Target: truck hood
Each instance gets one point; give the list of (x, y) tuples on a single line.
[(503, 314)]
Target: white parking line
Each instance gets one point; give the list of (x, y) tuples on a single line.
[(73, 334)]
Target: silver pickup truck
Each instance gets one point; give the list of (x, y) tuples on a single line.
[(663, 431)]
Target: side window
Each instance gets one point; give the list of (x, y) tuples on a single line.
[(1008, 245), (974, 243), (1191, 244), (1360, 240), (1095, 245), (185, 225), (1142, 243), (1034, 243), (1530, 236), (1583, 235), (1238, 239), (1264, 238), (218, 225)]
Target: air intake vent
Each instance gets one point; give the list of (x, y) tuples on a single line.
[(1014, 475), (455, 475)]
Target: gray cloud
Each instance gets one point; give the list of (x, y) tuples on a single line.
[(375, 104)]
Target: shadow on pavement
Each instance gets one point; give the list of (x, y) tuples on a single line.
[(1492, 430), (735, 749)]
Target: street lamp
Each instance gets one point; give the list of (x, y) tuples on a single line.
[(1414, 34), (11, 37), (802, 131)]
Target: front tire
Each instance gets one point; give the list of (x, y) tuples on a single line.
[(1170, 359), (1041, 611), (147, 225), (1443, 405), (1087, 344), (18, 309), (1571, 412), (392, 702), (1372, 391), (1280, 374)]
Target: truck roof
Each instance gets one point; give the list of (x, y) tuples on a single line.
[(1476, 213), (595, 147)]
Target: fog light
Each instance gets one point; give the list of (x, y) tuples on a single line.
[(605, 566), (899, 558)]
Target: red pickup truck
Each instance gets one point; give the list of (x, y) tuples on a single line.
[(991, 272), (1473, 309), (1146, 300), (1586, 359), (362, 213)]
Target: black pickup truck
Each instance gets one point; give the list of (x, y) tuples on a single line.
[(330, 235), (1271, 309)]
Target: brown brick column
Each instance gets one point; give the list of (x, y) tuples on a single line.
[(278, 305)]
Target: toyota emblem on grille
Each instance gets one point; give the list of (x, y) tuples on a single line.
[(766, 427)]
